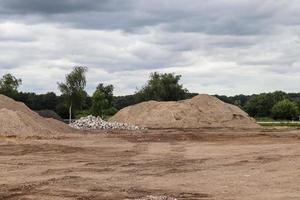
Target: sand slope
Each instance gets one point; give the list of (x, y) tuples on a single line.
[(199, 112), (17, 119)]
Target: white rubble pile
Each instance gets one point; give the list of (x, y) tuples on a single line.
[(92, 123), (151, 197)]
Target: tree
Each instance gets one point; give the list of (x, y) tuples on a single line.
[(162, 87), (285, 109), (120, 102), (9, 85), (49, 101), (261, 105), (107, 92), (62, 110), (73, 88), (100, 103), (102, 100)]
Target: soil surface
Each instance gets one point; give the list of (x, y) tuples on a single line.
[(185, 164)]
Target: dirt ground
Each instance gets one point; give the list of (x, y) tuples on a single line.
[(185, 164)]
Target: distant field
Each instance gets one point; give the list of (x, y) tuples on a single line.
[(279, 123)]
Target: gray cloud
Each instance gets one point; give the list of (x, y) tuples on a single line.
[(29, 7), (212, 17), (219, 45)]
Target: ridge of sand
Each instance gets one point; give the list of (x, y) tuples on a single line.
[(17, 119), (202, 111)]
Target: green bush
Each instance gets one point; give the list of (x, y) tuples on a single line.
[(82, 113), (100, 103), (285, 109), (110, 111), (63, 111), (261, 105)]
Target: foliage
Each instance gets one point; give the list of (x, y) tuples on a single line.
[(82, 113), (238, 100), (73, 88), (100, 103), (9, 85), (86, 101), (261, 105), (285, 109), (63, 111), (189, 95), (46, 101), (107, 91), (120, 102), (110, 111), (162, 87)]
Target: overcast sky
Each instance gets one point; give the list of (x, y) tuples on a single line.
[(218, 46)]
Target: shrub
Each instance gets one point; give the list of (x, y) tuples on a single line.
[(285, 109)]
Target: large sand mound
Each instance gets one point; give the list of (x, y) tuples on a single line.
[(202, 111), (17, 119)]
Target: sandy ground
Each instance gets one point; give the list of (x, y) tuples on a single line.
[(186, 164)]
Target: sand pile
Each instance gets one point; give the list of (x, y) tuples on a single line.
[(49, 114), (17, 119), (202, 111)]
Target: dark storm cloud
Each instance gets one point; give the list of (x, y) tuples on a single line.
[(212, 17), (51, 7)]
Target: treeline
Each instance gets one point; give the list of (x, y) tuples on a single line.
[(75, 102), (276, 105)]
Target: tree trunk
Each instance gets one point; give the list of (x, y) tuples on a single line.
[(70, 113)]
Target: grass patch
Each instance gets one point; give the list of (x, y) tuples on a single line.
[(294, 124)]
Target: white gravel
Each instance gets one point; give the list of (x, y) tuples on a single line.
[(151, 197), (93, 123)]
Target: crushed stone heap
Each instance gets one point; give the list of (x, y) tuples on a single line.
[(17, 119), (202, 111), (151, 197), (93, 123)]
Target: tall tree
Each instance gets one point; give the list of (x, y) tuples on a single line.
[(73, 88), (162, 87), (9, 85), (107, 91), (102, 99), (100, 103)]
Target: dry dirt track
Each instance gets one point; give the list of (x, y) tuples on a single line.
[(189, 164)]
